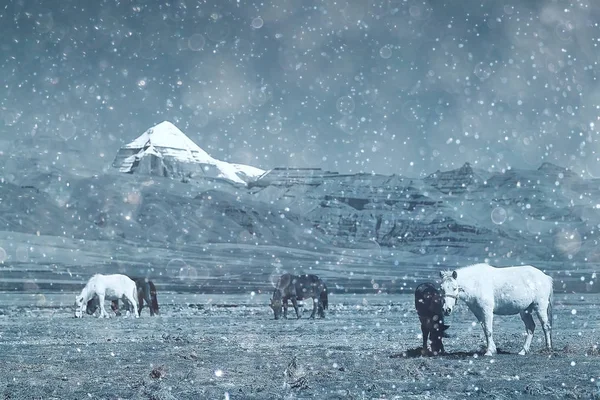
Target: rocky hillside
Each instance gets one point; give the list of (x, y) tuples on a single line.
[(531, 214), (362, 232)]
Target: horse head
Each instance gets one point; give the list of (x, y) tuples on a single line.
[(78, 303), (276, 305), (449, 290), (92, 306), (439, 332), (443, 329)]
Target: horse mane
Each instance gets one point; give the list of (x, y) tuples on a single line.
[(446, 272)]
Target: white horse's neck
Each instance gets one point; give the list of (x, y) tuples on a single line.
[(85, 292), (468, 287)]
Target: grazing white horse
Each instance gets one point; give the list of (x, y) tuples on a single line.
[(111, 287), (489, 290)]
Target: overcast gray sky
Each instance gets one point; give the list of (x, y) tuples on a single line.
[(388, 86)]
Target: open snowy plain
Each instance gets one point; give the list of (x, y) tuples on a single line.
[(230, 347)]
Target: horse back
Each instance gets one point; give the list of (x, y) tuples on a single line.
[(299, 286), (524, 277), (117, 284), (307, 286), (516, 288)]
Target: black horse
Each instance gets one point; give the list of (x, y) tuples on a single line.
[(299, 287), (145, 290), (428, 303)]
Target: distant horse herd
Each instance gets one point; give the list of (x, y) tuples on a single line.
[(116, 287), (485, 289)]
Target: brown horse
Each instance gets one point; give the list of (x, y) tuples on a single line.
[(299, 287), (146, 291), (428, 302)]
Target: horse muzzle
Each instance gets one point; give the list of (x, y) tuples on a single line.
[(447, 311)]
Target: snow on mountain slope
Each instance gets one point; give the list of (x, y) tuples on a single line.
[(248, 171), (165, 150)]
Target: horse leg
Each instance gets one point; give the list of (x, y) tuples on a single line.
[(103, 313), (127, 305), (544, 321), (315, 306), (154, 302), (148, 302), (133, 302), (83, 307), (488, 320), (425, 332), (114, 305), (285, 307), (321, 308), (141, 302), (295, 304), (529, 328)]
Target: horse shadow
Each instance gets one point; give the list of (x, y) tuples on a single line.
[(418, 352)]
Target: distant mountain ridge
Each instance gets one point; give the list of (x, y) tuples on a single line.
[(549, 212), (526, 214), (360, 227)]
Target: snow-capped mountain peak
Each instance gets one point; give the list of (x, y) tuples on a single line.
[(166, 151), (172, 141)]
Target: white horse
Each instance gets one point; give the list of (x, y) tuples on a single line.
[(111, 287), (489, 290)]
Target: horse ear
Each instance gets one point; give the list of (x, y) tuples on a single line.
[(454, 274), (441, 274)]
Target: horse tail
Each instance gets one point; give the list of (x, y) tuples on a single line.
[(140, 296), (153, 296), (323, 297), (549, 311)]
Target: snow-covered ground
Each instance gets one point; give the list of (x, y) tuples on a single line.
[(216, 346)]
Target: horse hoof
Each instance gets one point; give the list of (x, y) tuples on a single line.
[(522, 352), (488, 353)]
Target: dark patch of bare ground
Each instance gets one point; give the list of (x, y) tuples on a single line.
[(362, 350)]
